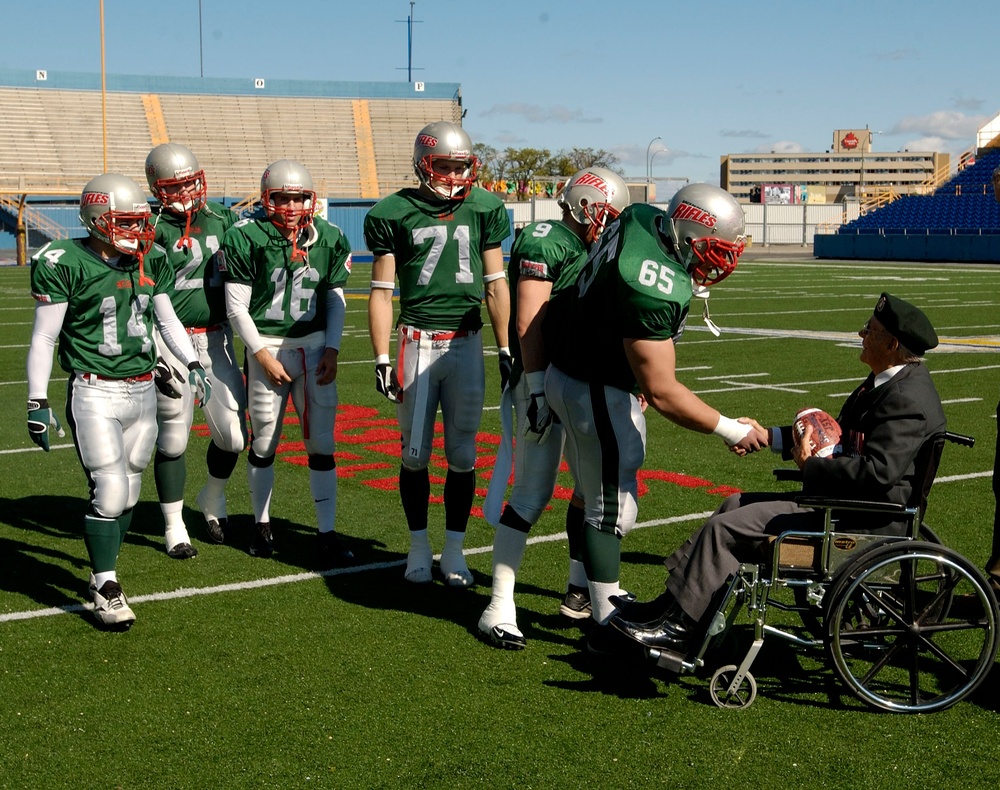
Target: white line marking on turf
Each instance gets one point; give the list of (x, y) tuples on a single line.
[(191, 592)]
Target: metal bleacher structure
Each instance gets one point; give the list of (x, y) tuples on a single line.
[(356, 139), (958, 219)]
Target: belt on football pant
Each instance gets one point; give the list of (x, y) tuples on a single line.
[(412, 333), (92, 377), (201, 330)]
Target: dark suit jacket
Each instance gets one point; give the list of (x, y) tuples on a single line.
[(882, 432)]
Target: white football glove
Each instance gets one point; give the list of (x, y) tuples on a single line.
[(199, 383)]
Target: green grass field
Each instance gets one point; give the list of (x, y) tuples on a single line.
[(248, 673)]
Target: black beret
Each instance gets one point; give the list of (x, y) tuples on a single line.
[(906, 323)]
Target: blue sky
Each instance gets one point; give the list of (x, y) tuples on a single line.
[(707, 78)]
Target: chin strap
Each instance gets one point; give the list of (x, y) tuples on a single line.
[(701, 292), (143, 279), (186, 238)]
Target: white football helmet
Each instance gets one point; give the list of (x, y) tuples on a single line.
[(705, 226), (287, 176), (445, 141), (171, 168), (594, 197), (113, 209)]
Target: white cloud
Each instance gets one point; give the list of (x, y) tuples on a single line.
[(944, 124), (535, 113), (780, 147)]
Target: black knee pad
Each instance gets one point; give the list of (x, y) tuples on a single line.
[(261, 463), (322, 463)]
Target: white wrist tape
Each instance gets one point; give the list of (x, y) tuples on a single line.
[(731, 431), (383, 284), (536, 381), (504, 351), (382, 359)]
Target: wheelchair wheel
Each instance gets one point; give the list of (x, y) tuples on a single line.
[(813, 617), (741, 698), (912, 628)]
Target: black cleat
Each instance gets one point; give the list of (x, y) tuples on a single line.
[(576, 603), (332, 549), (182, 551), (262, 544)]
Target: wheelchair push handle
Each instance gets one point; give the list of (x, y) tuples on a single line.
[(960, 438)]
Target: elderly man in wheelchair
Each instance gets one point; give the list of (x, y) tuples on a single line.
[(889, 603)]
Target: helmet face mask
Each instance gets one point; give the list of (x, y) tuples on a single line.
[(282, 182), (114, 210), (594, 197), (176, 180), (443, 160), (706, 228)]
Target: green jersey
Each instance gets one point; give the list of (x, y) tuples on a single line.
[(288, 297), (198, 295), (547, 251), (108, 325), (629, 287), (438, 248)]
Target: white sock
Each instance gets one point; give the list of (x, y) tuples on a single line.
[(175, 535), (215, 489), (261, 481), (577, 574), (104, 576), (323, 487), (172, 514), (603, 609), (508, 551), (452, 554)]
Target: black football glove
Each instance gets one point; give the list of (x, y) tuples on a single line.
[(539, 423), (506, 366), (386, 382), (167, 380), (40, 419)]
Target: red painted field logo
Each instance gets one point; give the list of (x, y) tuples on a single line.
[(368, 450), (694, 214), (850, 140), (95, 199), (427, 140)]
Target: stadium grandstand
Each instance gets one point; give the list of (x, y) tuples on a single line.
[(62, 129), (956, 220)]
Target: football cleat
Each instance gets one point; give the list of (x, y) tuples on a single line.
[(182, 551), (576, 603), (332, 548), (505, 636), (214, 511), (456, 573), (418, 566), (262, 544), (111, 606)]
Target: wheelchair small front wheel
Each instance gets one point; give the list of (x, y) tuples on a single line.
[(732, 699)]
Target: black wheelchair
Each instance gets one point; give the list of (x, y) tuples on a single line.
[(909, 625)]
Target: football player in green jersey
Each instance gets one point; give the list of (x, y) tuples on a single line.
[(442, 241), (189, 229), (285, 272), (98, 299), (545, 259), (630, 303)]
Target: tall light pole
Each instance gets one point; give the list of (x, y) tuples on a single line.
[(649, 165), (657, 151)]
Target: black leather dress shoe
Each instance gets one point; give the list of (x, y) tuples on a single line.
[(644, 611), (674, 631)]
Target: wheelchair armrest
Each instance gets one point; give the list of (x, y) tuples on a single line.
[(788, 475), (959, 438), (828, 503)]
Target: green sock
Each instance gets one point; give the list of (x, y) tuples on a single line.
[(124, 522), (102, 537), (602, 555), (169, 475)]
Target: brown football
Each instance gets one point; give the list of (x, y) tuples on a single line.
[(826, 431)]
